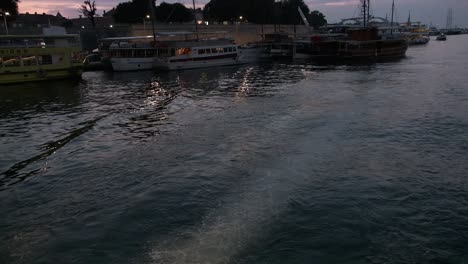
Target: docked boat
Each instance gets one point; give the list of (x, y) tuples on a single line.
[(415, 33), (365, 44), (31, 58), (359, 43), (143, 53), (441, 37), (181, 55), (131, 53), (318, 47)]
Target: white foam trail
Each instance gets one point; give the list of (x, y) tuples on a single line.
[(226, 232)]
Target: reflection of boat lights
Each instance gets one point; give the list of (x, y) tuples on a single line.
[(154, 84), (244, 88)]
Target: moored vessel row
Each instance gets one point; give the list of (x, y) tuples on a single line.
[(44, 57)]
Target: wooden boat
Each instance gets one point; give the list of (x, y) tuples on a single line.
[(362, 43)]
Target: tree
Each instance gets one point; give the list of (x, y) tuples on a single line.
[(10, 6), (134, 11), (317, 19), (89, 9), (173, 13), (260, 11)]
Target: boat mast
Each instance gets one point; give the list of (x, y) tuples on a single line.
[(153, 18), (195, 19), (393, 12), (364, 12), (368, 12)]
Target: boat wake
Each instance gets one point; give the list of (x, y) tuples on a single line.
[(16, 173)]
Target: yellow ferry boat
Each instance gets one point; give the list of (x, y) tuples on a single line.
[(31, 58)]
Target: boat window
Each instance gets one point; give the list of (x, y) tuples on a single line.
[(183, 51), (163, 51), (208, 51), (234, 49), (220, 50), (201, 51), (230, 49), (173, 52), (150, 53), (11, 61), (226, 49), (29, 61), (45, 59), (214, 50), (140, 53)]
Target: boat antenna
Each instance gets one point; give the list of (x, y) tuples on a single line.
[(153, 18), (364, 11), (393, 12), (195, 19)]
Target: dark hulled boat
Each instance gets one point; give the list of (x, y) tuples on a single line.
[(359, 44), (366, 44)]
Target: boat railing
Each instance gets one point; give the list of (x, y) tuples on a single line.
[(27, 46)]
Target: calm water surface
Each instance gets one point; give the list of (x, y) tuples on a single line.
[(269, 163)]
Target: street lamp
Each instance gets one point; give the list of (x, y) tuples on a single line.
[(5, 14), (144, 21)]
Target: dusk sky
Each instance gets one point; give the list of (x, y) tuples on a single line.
[(427, 11)]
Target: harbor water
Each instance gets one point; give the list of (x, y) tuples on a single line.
[(267, 163)]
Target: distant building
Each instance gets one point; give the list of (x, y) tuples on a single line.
[(109, 13), (36, 20)]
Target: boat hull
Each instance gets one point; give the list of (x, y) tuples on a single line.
[(132, 64), (195, 63), (37, 76)]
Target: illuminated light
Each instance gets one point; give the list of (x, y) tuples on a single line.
[(7, 13), (199, 22), (111, 26), (148, 16)]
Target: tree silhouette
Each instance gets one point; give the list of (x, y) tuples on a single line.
[(173, 13), (317, 19), (137, 10), (261, 11), (10, 6), (88, 9)]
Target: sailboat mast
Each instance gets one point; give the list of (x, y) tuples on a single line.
[(368, 12), (153, 18), (195, 18), (364, 12), (393, 12)]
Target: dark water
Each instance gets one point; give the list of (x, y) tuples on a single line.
[(271, 163)]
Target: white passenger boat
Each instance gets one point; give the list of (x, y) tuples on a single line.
[(143, 53), (180, 55), (132, 53)]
